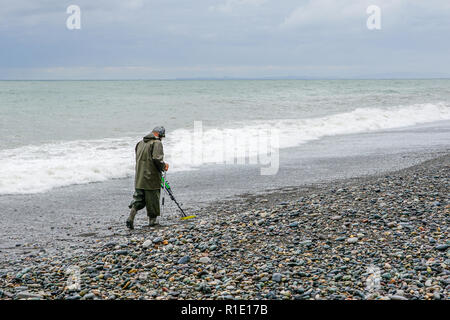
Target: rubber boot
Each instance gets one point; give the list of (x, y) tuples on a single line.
[(130, 220), (152, 222)]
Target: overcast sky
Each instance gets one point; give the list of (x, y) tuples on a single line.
[(154, 39)]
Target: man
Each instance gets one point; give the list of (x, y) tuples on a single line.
[(147, 183)]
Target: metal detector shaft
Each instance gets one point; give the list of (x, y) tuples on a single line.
[(169, 192), (165, 185)]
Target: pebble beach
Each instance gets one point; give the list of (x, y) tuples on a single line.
[(382, 237)]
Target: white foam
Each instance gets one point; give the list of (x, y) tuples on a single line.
[(39, 168)]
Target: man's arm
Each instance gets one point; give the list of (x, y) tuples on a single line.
[(158, 156)]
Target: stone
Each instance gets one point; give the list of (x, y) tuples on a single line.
[(204, 260), (28, 295), (386, 275), (396, 297), (277, 277), (442, 247), (89, 296), (391, 224), (184, 260), (22, 272), (121, 252), (147, 243), (158, 240)]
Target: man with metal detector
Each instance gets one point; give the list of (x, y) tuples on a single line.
[(149, 165)]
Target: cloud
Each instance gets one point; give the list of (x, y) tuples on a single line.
[(231, 5), (333, 15), (221, 37), (323, 13), (133, 4)]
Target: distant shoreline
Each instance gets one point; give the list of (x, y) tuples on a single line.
[(245, 79)]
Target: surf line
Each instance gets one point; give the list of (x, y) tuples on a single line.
[(192, 310)]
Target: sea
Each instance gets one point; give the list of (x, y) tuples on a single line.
[(60, 133)]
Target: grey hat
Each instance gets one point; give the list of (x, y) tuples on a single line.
[(161, 131)]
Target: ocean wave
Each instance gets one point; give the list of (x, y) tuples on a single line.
[(39, 168)]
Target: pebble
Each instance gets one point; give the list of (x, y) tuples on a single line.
[(395, 297), (89, 296), (205, 260), (147, 243), (158, 240), (184, 260), (309, 243), (277, 277), (442, 247), (28, 295)]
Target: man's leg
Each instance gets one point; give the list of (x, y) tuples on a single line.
[(152, 205), (136, 204)]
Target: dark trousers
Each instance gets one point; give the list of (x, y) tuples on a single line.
[(148, 199)]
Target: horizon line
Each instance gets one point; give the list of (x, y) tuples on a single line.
[(238, 78)]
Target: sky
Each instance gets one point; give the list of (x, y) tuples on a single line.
[(170, 39)]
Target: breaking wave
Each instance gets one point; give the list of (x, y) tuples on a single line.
[(39, 168)]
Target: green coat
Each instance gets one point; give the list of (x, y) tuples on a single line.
[(149, 163)]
